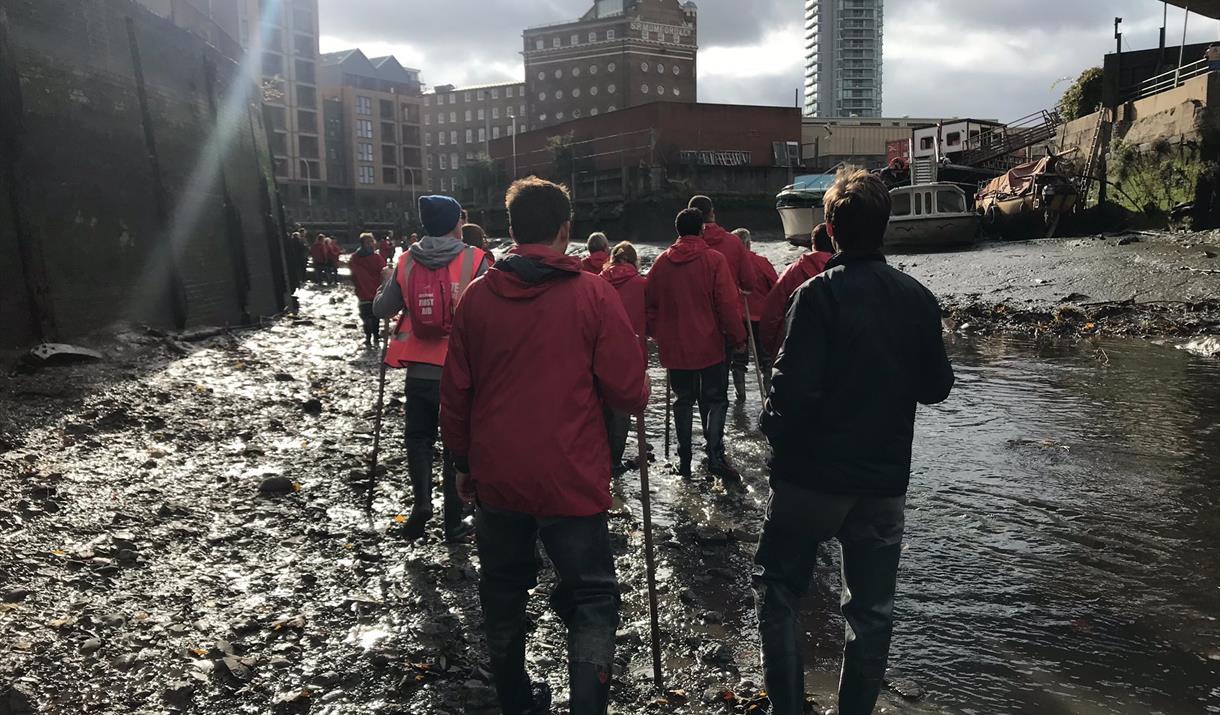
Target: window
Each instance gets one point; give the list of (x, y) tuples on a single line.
[(593, 91), (466, 97), (495, 132), (575, 39), (308, 146), (611, 67), (556, 42), (428, 100), (953, 138), (643, 66), (660, 69), (927, 202), (469, 135), (576, 92), (521, 111), (443, 139), (593, 112), (453, 117), (364, 174), (576, 114), (482, 114), (430, 161), (482, 134), (559, 94), (453, 160), (575, 71), (386, 108), (440, 118), (364, 151), (427, 119), (677, 71), (304, 71), (900, 205), (389, 154), (468, 115), (307, 97), (610, 89), (925, 142), (389, 176), (304, 45), (948, 201), (453, 98), (918, 204), (644, 88), (302, 20), (364, 128), (279, 144), (495, 93), (558, 74), (610, 36), (387, 132), (482, 95), (677, 91), (539, 45), (592, 37), (444, 161), (542, 117), (273, 65), (277, 117), (428, 139), (443, 181), (307, 121), (592, 69), (364, 106), (453, 136), (611, 108), (541, 76), (542, 96), (495, 112)]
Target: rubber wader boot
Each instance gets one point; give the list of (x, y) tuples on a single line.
[(590, 688), (419, 467), (739, 383)]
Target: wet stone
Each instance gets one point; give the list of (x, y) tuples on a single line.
[(275, 485), (16, 595), (91, 645)]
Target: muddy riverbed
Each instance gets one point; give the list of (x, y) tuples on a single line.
[(182, 529)]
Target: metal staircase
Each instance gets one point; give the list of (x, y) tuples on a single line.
[(1003, 141)]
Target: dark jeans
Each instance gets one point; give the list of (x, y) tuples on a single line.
[(368, 320), (618, 425), (869, 530), (422, 424), (586, 599), (709, 388)]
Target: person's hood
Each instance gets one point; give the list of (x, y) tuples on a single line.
[(434, 252), (365, 252), (529, 271), (620, 273), (686, 249), (713, 234), (601, 256)]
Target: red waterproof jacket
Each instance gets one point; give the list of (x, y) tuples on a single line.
[(366, 274), (775, 308), (765, 279), (537, 347), (730, 246), (594, 262), (630, 285), (386, 249), (333, 251), (317, 252), (692, 307)]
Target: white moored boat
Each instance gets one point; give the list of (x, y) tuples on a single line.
[(800, 205), (929, 217)]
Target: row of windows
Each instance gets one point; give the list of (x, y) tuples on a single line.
[(475, 95), (574, 39), (575, 71), (575, 93), (443, 138), (661, 90), (576, 113), (470, 115), (446, 161)]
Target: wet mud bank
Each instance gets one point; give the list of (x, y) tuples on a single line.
[(182, 529)]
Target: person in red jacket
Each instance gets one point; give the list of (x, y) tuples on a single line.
[(386, 248), (764, 280), (366, 266), (740, 267), (333, 252), (775, 308), (474, 235), (599, 253), (317, 256), (538, 346), (623, 272), (693, 312)]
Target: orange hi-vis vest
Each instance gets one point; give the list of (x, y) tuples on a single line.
[(406, 348)]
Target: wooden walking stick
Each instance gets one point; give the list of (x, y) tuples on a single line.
[(385, 346), (649, 563), (758, 368)]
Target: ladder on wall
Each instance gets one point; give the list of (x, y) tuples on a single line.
[(1084, 180)]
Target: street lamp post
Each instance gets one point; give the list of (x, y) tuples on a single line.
[(412, 172), (512, 113)]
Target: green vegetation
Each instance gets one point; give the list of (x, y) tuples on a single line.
[(1082, 97), (1155, 179)]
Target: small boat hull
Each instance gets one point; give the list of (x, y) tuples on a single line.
[(930, 233), (799, 221)]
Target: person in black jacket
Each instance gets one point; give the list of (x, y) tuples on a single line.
[(862, 346)]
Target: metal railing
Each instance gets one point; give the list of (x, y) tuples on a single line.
[(1165, 81)]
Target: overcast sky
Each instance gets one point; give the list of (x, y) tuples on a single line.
[(979, 58)]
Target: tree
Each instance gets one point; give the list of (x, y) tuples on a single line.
[(1083, 96)]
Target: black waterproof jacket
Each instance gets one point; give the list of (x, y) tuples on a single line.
[(863, 345)]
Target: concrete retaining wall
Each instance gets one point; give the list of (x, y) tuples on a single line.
[(134, 176)]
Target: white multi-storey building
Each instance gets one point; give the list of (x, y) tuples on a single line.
[(843, 43)]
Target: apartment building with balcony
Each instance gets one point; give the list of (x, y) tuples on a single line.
[(460, 122), (372, 129), (843, 58)]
